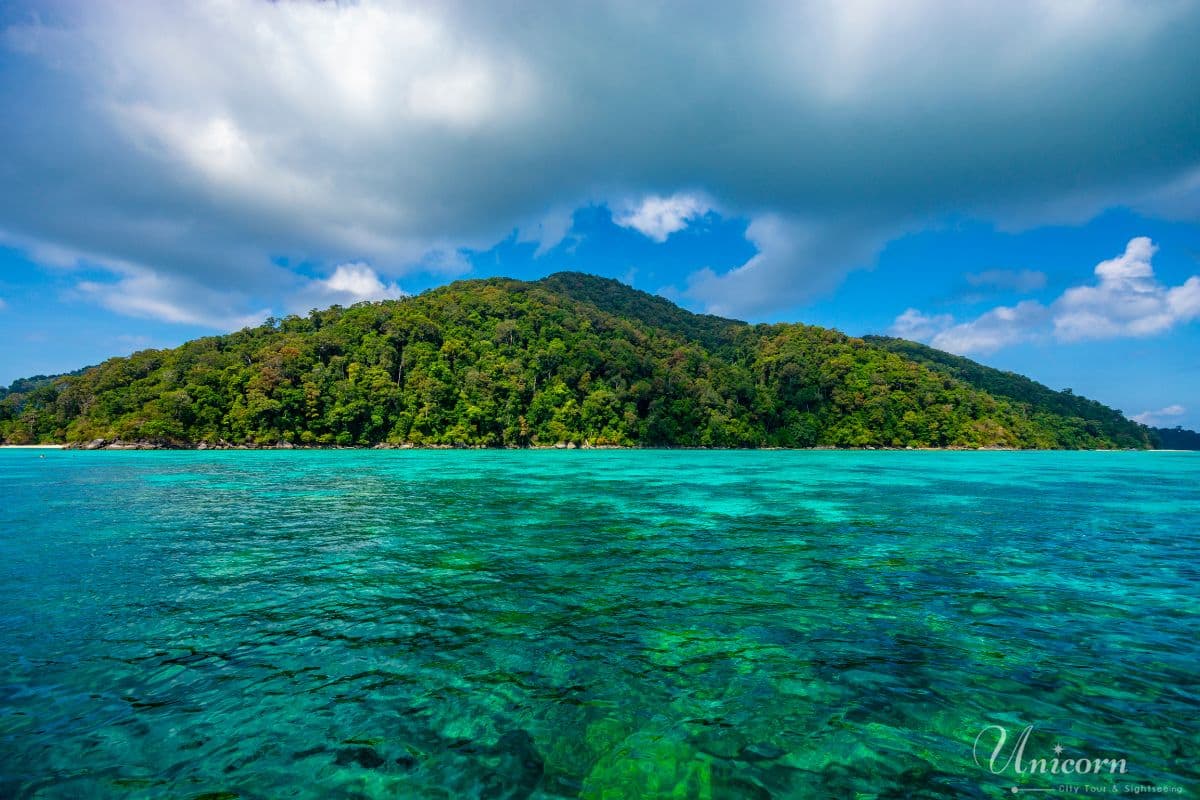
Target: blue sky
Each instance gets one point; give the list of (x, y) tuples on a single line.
[(1018, 183)]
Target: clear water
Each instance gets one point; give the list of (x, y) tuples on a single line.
[(593, 624)]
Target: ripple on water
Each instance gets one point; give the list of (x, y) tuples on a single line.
[(589, 624)]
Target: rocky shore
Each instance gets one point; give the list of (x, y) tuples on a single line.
[(148, 444)]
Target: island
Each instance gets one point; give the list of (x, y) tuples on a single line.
[(571, 360)]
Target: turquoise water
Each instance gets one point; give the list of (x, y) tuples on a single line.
[(597, 624)]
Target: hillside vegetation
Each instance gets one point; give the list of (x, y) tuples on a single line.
[(1176, 438), (1037, 400), (568, 359)]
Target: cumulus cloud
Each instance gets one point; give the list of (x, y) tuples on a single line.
[(359, 282), (1025, 280), (1127, 300), (1161, 416), (349, 284), (658, 217), (914, 324), (199, 141), (998, 328)]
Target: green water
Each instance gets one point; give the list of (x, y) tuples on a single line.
[(593, 624)]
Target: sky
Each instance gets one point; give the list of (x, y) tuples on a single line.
[(1016, 182)]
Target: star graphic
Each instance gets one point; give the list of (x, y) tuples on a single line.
[(1058, 749)]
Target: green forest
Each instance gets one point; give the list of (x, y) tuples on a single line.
[(568, 360)]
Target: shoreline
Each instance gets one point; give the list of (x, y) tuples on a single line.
[(35, 447), (119, 445)]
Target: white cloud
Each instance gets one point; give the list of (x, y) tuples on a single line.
[(1126, 301), (349, 284), (998, 328), (658, 217), (1183, 301), (1160, 416), (3, 304), (359, 282), (1025, 280), (140, 293), (914, 324)]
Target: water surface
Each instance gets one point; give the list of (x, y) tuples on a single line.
[(592, 624)]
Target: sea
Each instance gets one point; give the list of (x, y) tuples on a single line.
[(598, 624)]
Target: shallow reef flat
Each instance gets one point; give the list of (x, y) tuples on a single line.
[(595, 624)]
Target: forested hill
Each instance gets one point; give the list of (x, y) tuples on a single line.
[(569, 359), (27, 385), (1176, 438), (1027, 393), (607, 294)]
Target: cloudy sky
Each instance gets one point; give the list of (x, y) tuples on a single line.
[(1016, 181)]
